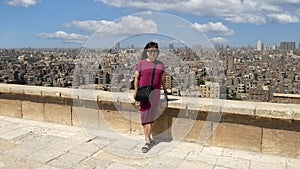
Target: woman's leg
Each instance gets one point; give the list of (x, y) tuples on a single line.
[(151, 129), (148, 131)]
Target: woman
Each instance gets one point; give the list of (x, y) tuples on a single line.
[(143, 77)]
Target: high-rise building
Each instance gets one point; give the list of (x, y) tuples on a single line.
[(260, 45), (287, 45), (229, 62)]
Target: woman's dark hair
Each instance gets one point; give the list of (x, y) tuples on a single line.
[(147, 46)]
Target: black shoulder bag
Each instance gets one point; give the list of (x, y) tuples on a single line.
[(143, 93)]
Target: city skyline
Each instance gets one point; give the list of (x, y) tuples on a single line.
[(48, 24)]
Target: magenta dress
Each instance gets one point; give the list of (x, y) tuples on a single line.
[(145, 68)]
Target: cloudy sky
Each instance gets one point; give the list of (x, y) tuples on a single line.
[(71, 23)]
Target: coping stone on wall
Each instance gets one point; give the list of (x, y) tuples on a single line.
[(238, 107), (17, 90), (273, 110), (4, 88), (296, 111)]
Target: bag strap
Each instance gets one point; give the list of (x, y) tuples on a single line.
[(153, 73)]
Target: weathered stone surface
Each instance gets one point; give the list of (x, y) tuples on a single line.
[(10, 108), (186, 129), (272, 110), (92, 163), (263, 165), (70, 148), (162, 127), (254, 156), (14, 163), (13, 134), (238, 107), (4, 88), (51, 92), (85, 117), (44, 155), (164, 162), (117, 120), (233, 162), (237, 136), (33, 110), (17, 90), (29, 90), (281, 142), (105, 155), (296, 110), (5, 145), (195, 165), (57, 113), (84, 94), (67, 160)]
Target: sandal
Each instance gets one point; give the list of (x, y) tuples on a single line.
[(146, 148)]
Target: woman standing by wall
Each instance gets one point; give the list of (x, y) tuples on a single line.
[(143, 77)]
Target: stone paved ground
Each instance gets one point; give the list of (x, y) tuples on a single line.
[(26, 144)]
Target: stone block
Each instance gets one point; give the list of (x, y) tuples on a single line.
[(135, 123), (33, 91), (272, 110), (184, 128), (10, 108), (237, 136), (114, 120), (33, 110), (106, 105), (93, 104), (281, 142), (4, 88), (238, 118), (85, 94), (274, 123), (242, 108), (17, 89), (85, 117), (67, 160), (163, 127), (51, 92), (296, 110), (57, 113), (193, 134)]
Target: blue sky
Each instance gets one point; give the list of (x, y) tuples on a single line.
[(71, 23)]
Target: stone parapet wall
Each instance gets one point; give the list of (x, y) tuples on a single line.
[(265, 127), (286, 98)]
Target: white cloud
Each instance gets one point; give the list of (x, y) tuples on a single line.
[(126, 26), (253, 19), (219, 40), (65, 37), (22, 3), (216, 28), (236, 11), (283, 18)]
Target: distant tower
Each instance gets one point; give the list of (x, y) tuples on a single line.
[(171, 47), (288, 45), (260, 45), (118, 46)]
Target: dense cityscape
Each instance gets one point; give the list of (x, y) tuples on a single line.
[(239, 74)]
